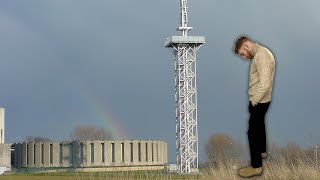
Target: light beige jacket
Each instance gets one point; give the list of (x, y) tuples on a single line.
[(261, 75)]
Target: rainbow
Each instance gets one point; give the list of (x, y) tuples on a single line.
[(107, 119), (102, 114)]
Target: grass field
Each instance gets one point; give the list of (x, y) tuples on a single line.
[(277, 169), (100, 176)]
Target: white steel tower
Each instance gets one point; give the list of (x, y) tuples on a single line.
[(184, 48)]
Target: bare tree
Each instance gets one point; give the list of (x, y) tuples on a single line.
[(221, 149), (37, 139), (89, 133)]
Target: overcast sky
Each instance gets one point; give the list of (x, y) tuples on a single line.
[(75, 62)]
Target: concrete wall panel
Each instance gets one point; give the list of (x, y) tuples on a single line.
[(97, 153), (164, 153), (143, 151), (117, 153), (56, 154), (135, 152), (76, 154), (107, 153), (24, 154), (19, 159), (127, 153), (157, 151), (81, 153), (149, 146), (160, 156), (87, 154), (66, 154), (16, 155), (37, 154), (30, 154), (154, 152), (46, 154)]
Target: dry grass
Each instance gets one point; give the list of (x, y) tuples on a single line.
[(280, 168)]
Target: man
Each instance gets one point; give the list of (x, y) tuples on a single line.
[(260, 89)]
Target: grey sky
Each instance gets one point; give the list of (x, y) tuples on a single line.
[(65, 63)]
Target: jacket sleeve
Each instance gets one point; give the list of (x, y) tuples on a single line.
[(264, 64)]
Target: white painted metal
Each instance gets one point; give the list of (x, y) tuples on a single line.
[(184, 18), (186, 108), (185, 48)]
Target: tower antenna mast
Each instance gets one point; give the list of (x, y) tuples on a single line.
[(184, 18), (184, 48)]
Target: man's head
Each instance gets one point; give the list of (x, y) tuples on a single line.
[(244, 47)]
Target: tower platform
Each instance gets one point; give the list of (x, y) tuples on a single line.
[(173, 40)]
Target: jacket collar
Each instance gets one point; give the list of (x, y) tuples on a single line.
[(256, 46)]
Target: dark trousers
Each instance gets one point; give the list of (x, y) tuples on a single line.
[(257, 132)]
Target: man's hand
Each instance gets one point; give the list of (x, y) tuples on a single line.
[(253, 103)]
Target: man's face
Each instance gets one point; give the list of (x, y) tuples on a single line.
[(245, 52)]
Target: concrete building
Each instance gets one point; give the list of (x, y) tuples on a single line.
[(90, 155), (86, 156)]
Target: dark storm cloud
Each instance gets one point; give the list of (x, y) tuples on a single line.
[(55, 54)]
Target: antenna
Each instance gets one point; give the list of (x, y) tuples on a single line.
[(184, 18)]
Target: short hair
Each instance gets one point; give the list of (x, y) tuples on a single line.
[(239, 43)]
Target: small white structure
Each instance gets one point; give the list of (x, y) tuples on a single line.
[(173, 168), (5, 149), (1, 125)]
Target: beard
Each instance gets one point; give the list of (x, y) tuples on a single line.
[(250, 54)]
